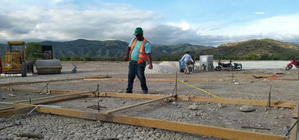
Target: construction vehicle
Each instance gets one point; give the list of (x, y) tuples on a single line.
[(14, 59), (48, 64)]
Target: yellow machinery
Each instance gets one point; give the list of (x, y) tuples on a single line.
[(48, 64), (14, 61)]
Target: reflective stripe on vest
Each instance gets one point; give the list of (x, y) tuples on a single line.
[(142, 55)]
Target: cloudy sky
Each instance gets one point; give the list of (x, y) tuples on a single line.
[(206, 22)]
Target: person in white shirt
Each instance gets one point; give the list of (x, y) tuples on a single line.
[(187, 59)]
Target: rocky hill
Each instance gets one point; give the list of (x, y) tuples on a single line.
[(263, 49)]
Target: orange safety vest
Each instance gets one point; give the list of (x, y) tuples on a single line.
[(142, 55)]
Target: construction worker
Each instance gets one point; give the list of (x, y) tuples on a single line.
[(138, 52), (187, 59)]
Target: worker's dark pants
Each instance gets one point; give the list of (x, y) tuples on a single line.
[(136, 69)]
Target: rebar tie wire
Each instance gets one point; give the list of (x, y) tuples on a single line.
[(39, 105)]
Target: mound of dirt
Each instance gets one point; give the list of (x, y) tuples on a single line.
[(164, 67)]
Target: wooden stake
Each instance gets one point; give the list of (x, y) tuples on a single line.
[(98, 106), (269, 97), (138, 104), (98, 89)]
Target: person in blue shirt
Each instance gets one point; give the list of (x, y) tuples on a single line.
[(187, 59), (138, 53)]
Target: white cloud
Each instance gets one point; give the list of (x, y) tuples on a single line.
[(57, 1), (182, 25), (259, 13), (278, 27), (68, 22)]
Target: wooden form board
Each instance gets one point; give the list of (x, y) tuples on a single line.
[(274, 103), (286, 104), (57, 98), (15, 110), (35, 82), (50, 81), (44, 90), (4, 112), (51, 99), (137, 104), (161, 124)]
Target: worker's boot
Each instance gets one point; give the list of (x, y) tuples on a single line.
[(145, 91), (129, 91)]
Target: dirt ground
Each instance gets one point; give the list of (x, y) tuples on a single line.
[(228, 84)]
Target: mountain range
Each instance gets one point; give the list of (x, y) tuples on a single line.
[(110, 49), (256, 49)]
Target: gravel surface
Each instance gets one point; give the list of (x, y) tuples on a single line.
[(227, 116), (235, 84), (221, 115), (242, 85), (53, 127)]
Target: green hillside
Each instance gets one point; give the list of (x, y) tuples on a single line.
[(88, 48), (112, 49), (173, 52), (263, 49)]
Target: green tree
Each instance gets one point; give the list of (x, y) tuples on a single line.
[(265, 57), (75, 58), (85, 58), (253, 56), (64, 58), (33, 51)]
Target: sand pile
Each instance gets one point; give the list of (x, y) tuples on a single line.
[(164, 67)]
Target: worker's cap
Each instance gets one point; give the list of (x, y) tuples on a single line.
[(138, 30)]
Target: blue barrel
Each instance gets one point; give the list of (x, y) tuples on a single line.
[(182, 66)]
